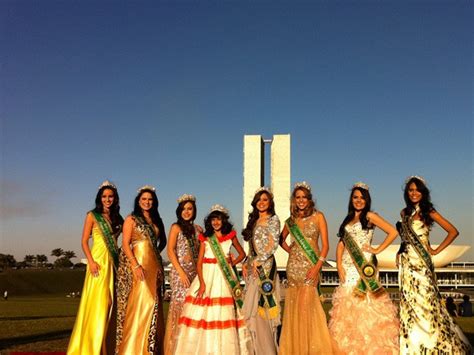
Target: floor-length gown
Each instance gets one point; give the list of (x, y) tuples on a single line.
[(304, 329), (178, 290), (362, 324), (425, 325), (263, 328), (212, 324), (140, 328), (90, 328)]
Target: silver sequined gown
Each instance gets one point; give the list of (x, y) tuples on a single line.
[(263, 330), (178, 290)]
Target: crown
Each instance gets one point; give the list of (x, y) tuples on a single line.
[(415, 177), (219, 208), (361, 185), (107, 183), (264, 188), (302, 184), (146, 187), (186, 197)]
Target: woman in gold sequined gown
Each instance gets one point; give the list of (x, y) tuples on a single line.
[(140, 325), (304, 329), (425, 325), (183, 249), (95, 309)]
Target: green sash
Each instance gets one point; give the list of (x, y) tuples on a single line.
[(266, 301), (106, 231), (409, 236), (303, 244), (366, 269), (230, 274)]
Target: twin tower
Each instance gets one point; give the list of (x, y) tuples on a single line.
[(280, 176)]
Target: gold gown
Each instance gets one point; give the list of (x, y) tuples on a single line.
[(304, 328), (142, 326), (90, 329)]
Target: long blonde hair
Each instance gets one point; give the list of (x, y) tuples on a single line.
[(309, 210)]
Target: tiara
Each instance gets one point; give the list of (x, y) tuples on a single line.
[(219, 208), (186, 197), (107, 183), (264, 188), (361, 185), (302, 184), (415, 177), (146, 187)]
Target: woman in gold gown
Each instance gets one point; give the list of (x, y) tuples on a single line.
[(304, 329), (140, 325), (104, 223)]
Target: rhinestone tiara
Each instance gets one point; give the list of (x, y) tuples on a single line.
[(415, 177), (107, 183), (361, 185), (186, 197), (146, 187), (302, 184), (219, 208), (264, 188)]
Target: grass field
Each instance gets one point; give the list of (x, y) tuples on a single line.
[(43, 322)]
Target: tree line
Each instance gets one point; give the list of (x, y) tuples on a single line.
[(63, 259)]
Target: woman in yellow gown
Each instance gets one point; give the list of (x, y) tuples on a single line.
[(104, 222), (140, 325), (304, 328)]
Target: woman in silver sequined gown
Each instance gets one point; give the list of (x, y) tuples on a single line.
[(183, 247), (425, 325), (262, 233)]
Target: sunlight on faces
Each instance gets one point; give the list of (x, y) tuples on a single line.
[(413, 194), (358, 201), (107, 198), (216, 224), (146, 201), (301, 200), (263, 203), (188, 211)]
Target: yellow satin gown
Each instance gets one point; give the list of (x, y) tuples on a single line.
[(90, 329)]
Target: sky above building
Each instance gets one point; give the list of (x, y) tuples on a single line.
[(162, 93)]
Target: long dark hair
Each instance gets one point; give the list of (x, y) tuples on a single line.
[(426, 207), (187, 227), (351, 211), (309, 210), (115, 218), (254, 215), (154, 214), (226, 225)]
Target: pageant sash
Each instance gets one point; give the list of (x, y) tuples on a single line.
[(151, 234), (106, 231), (366, 269), (230, 275), (192, 247), (302, 243), (409, 236), (267, 288)]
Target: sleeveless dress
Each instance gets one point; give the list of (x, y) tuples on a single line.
[(304, 329), (140, 325), (425, 325), (372, 327), (263, 330), (90, 328), (212, 324), (178, 290)]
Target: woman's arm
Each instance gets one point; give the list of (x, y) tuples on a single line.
[(391, 231), (340, 268), (448, 227), (283, 235), (137, 269), (171, 250), (240, 250), (313, 272), (202, 284), (92, 266)]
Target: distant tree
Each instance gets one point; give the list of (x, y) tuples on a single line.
[(63, 262), (69, 254), (29, 260), (7, 261), (58, 252), (41, 259)]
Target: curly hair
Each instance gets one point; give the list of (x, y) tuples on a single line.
[(226, 225), (351, 211), (187, 227), (154, 214), (426, 207), (115, 217), (254, 215), (309, 210)]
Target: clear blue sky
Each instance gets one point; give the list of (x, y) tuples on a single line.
[(162, 93)]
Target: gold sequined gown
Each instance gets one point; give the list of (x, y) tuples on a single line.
[(178, 289), (93, 316), (304, 329), (140, 322), (425, 325)]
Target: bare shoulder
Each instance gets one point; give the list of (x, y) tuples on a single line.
[(129, 219)]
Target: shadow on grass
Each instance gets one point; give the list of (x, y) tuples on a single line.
[(6, 343)]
